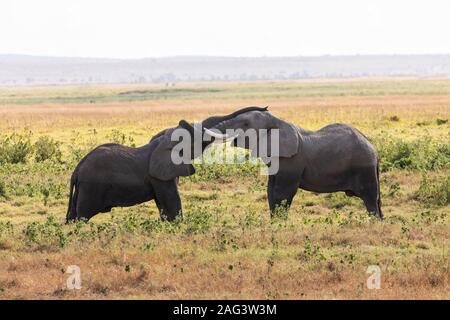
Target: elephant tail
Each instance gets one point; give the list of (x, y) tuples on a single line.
[(380, 213), (73, 195)]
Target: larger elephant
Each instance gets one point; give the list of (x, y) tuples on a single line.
[(335, 158), (113, 175)]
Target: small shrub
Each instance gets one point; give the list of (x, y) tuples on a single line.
[(2, 189), (79, 150), (223, 238), (281, 211), (333, 217), (424, 153), (434, 191), (207, 168), (119, 137), (250, 219), (15, 148), (6, 229), (353, 219), (394, 118), (338, 200), (428, 217), (395, 219), (46, 148), (394, 189), (312, 251), (393, 153), (441, 121), (431, 155), (401, 155), (48, 233), (46, 194), (130, 223), (197, 220)]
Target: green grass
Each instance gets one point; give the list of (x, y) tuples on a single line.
[(226, 245), (262, 90)]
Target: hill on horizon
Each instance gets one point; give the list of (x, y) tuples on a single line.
[(41, 70)]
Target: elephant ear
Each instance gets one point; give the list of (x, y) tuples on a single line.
[(161, 165), (288, 137)]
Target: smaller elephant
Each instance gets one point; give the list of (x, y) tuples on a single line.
[(113, 175), (335, 158)]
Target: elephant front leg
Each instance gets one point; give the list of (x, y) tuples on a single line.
[(280, 192), (167, 199)]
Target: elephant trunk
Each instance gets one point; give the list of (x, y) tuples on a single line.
[(219, 122), (215, 120)]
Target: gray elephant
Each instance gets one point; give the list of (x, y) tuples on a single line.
[(113, 175), (335, 158)]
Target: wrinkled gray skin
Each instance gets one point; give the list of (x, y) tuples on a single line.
[(113, 175), (335, 158)]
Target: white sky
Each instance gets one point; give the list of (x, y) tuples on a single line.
[(152, 28)]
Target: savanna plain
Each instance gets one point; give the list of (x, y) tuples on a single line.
[(226, 245)]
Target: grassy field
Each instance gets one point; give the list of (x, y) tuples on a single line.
[(226, 246)]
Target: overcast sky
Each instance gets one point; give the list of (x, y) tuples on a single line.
[(144, 28)]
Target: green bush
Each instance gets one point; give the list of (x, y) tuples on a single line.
[(78, 150), (431, 155), (393, 189), (337, 200), (15, 148), (46, 148), (121, 138), (6, 229), (49, 233), (196, 220), (241, 165), (394, 118), (434, 191), (428, 217), (312, 251), (421, 154), (2, 189)]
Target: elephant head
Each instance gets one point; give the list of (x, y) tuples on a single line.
[(263, 123), (162, 166)]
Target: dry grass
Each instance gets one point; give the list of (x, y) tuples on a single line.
[(321, 251)]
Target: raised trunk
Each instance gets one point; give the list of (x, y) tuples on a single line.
[(217, 122)]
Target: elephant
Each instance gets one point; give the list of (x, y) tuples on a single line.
[(114, 175), (335, 158)]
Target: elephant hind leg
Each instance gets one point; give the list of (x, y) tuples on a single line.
[(371, 203), (369, 191), (72, 210), (89, 201), (72, 204)]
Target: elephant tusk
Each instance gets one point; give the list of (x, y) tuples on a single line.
[(216, 134), (219, 135)]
